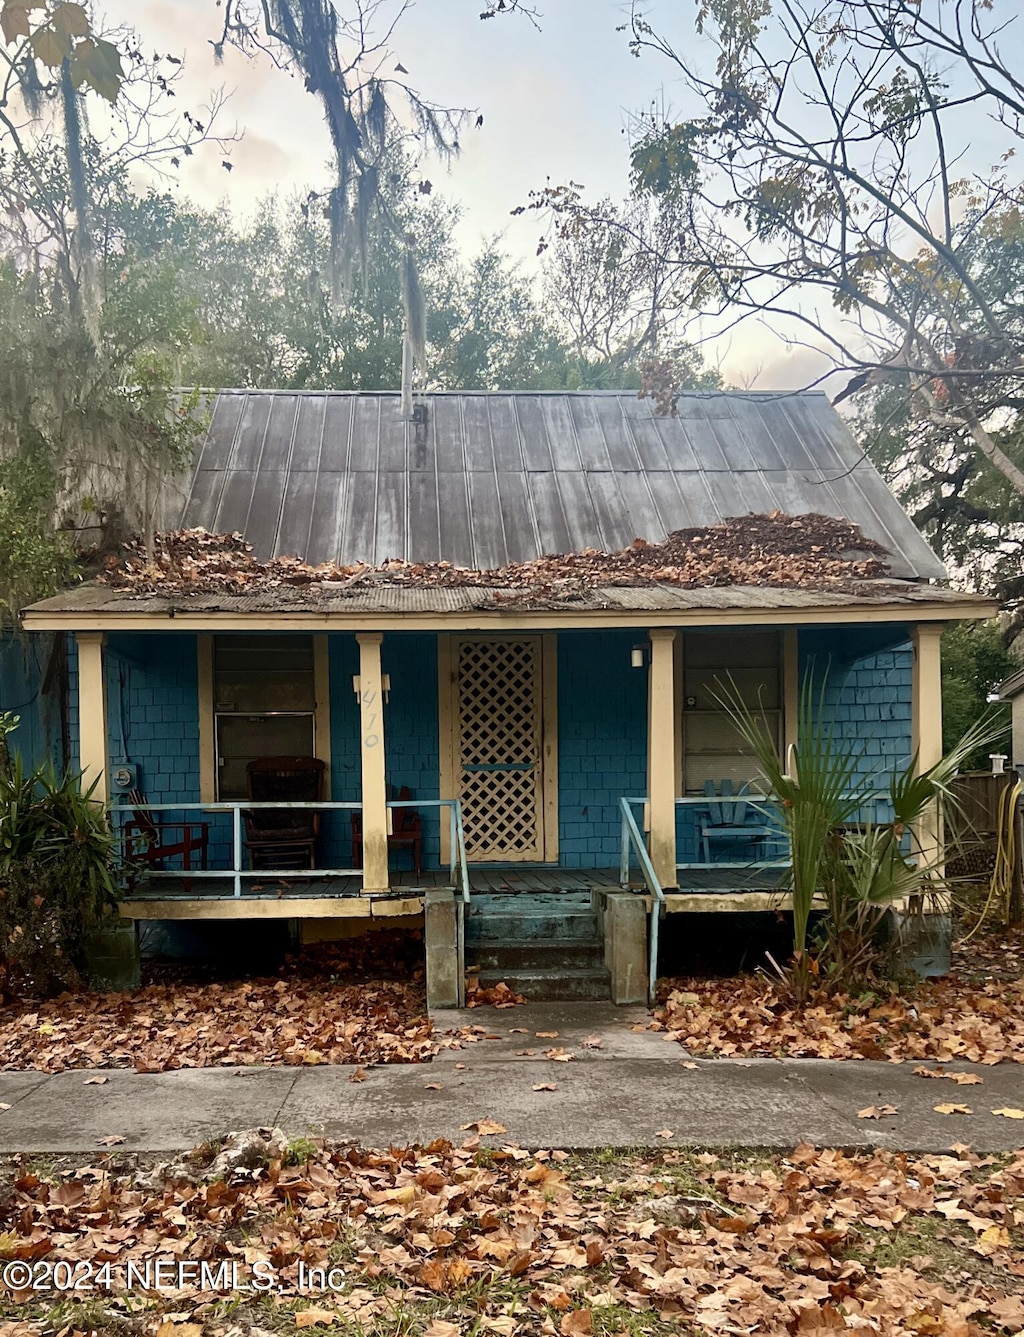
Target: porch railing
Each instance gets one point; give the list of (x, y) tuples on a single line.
[(633, 843), (457, 867)]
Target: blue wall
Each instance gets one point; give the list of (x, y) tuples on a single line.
[(867, 673), (602, 745), (23, 664)]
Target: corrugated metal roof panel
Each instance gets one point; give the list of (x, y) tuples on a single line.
[(509, 477)]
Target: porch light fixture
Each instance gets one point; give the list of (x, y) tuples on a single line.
[(385, 684), (638, 656)]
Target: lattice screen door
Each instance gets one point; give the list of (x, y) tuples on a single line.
[(498, 743)]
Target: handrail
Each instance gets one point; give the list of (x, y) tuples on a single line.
[(457, 864), (632, 839)]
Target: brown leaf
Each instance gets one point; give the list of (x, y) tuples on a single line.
[(1009, 1113), (358, 1076), (484, 1127), (111, 1140), (171, 1329), (952, 1109), (577, 1323), (96, 1081), (312, 1317), (877, 1112), (545, 1086)]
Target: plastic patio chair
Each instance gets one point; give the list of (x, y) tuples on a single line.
[(739, 823)]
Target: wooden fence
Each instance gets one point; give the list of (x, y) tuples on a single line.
[(972, 831)]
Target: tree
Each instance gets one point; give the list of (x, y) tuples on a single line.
[(974, 662), (818, 186)]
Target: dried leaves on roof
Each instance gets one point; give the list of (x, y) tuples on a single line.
[(778, 550)]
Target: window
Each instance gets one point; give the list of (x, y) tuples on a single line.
[(264, 702), (712, 746)]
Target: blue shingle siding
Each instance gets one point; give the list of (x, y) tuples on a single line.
[(602, 744), (868, 675), (411, 730), (23, 663)]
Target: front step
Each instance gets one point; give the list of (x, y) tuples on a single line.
[(557, 985), (544, 946)]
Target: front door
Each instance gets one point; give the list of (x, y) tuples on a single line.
[(499, 747)]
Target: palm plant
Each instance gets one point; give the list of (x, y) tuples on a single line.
[(855, 869)]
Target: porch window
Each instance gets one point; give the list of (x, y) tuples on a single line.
[(712, 746), (264, 698)]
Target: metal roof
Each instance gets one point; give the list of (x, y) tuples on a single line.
[(493, 478)]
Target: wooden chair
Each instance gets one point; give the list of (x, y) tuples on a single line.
[(407, 833), (149, 839), (275, 838), (739, 823)]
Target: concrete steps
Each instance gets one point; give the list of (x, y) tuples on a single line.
[(545, 946)]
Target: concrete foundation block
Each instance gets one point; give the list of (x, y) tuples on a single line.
[(441, 934), (112, 960), (625, 947)]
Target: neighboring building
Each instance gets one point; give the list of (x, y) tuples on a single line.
[(1012, 690), (539, 707)]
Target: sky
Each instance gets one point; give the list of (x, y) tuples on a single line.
[(556, 99)]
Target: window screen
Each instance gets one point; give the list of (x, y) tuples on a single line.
[(264, 702), (712, 746)]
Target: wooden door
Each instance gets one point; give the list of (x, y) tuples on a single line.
[(499, 747)]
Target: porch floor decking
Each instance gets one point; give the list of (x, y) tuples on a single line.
[(307, 896)]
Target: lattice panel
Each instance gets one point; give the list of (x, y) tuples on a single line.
[(500, 749)]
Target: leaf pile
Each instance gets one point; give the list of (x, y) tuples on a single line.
[(806, 551), (940, 1019), (445, 1240), (165, 1026)]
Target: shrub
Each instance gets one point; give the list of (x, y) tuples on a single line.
[(58, 868)]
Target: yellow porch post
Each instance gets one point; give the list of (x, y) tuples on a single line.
[(374, 793), (926, 726), (662, 739), (92, 713)]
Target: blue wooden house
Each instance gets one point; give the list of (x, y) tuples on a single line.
[(537, 777)]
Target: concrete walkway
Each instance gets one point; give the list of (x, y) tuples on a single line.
[(626, 1090)]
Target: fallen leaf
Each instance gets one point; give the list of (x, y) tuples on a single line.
[(440, 1327), (432, 1086), (593, 1042), (665, 1132), (965, 1078), (545, 1086), (485, 1127), (558, 1055), (358, 1076), (1010, 1113), (952, 1109), (687, 1063), (96, 1081), (4, 1106), (115, 1139), (546, 1035), (310, 1318), (876, 1112), (577, 1323), (172, 1329)]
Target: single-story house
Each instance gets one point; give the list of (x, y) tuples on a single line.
[(527, 755)]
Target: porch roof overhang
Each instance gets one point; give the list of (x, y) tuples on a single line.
[(391, 607)]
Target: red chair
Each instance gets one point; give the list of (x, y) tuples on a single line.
[(147, 842), (406, 833)]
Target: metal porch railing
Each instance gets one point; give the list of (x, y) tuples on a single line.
[(237, 873)]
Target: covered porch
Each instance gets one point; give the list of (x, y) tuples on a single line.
[(537, 760)]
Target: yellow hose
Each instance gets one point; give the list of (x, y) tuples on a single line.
[(1001, 884)]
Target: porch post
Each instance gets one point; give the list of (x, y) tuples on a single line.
[(374, 792), (92, 713), (662, 735), (926, 725)]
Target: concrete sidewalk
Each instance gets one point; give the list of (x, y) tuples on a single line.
[(628, 1092)]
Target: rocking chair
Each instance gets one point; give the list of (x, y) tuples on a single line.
[(277, 837)]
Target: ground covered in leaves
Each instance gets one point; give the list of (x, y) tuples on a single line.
[(357, 1002), (445, 1241), (807, 551), (951, 1018)]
